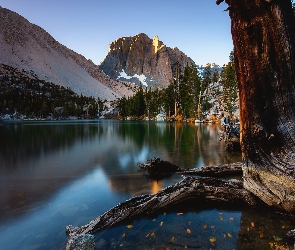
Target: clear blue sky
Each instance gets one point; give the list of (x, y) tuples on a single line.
[(199, 28)]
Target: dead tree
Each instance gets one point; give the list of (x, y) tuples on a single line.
[(263, 33)]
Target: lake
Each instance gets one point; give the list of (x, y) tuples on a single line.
[(59, 173)]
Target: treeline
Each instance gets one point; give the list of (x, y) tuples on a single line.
[(188, 96), (21, 96)]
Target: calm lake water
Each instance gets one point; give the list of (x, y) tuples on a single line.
[(53, 174)]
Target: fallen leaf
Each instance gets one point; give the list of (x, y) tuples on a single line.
[(283, 226), (121, 245), (220, 217), (229, 235), (212, 239), (164, 213), (129, 226), (189, 222), (123, 235), (204, 227), (172, 238), (252, 224), (188, 231), (152, 234), (231, 218), (154, 219), (179, 213), (161, 223), (185, 246), (261, 235), (248, 229), (147, 235), (224, 235)]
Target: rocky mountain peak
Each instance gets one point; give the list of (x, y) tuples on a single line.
[(141, 59)]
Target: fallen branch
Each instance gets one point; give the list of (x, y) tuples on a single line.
[(217, 171), (156, 166), (205, 189)]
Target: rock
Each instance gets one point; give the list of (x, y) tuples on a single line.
[(141, 56), (81, 242), (32, 51)]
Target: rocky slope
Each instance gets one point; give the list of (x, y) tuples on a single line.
[(141, 59), (28, 47)]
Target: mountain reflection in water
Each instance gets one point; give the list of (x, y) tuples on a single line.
[(53, 174)]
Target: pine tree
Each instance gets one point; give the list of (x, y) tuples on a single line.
[(168, 99), (189, 89), (203, 102), (230, 86)]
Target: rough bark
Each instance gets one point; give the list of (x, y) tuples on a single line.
[(157, 167), (202, 189), (263, 33)]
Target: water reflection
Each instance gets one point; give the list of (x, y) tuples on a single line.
[(61, 173), (48, 155)]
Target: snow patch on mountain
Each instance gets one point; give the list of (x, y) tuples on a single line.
[(124, 76)]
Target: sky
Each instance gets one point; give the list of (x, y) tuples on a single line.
[(199, 28)]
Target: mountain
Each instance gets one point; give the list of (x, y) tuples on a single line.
[(29, 48), (142, 59)]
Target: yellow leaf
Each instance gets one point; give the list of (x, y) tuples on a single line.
[(229, 235), (121, 245), (152, 234), (212, 239), (283, 226), (188, 231), (220, 217), (129, 226), (161, 223), (172, 238), (123, 235)]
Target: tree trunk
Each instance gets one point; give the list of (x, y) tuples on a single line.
[(263, 33)]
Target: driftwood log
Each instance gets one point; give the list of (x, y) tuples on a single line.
[(156, 167), (202, 189)]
